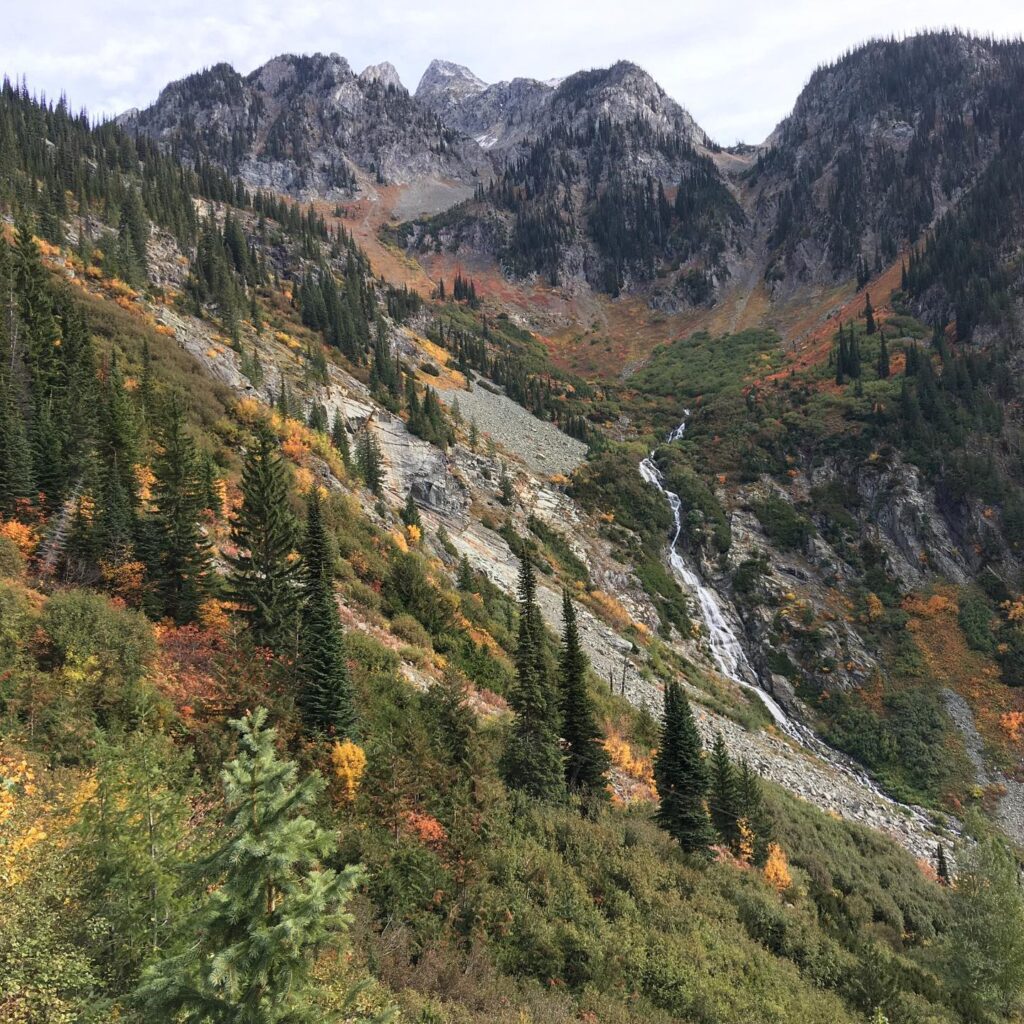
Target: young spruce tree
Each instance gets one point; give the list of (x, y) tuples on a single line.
[(325, 695), (533, 759), (179, 554), (681, 776), (586, 761), (268, 906), (726, 810), (264, 574)]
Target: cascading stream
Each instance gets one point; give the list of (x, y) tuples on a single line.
[(727, 652)]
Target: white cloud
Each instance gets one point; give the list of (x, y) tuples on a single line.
[(737, 65)]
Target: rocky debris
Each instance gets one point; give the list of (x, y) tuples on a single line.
[(447, 484), (541, 445), (1011, 803)]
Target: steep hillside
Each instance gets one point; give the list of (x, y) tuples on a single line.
[(306, 125), (879, 145), (683, 693)]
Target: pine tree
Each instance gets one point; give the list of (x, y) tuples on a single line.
[(681, 776), (753, 812), (411, 512), (883, 357), (586, 762), (339, 438), (179, 553), (325, 695), (532, 762), (369, 461), (869, 314), (264, 572), (942, 866), (464, 580), (726, 810), (268, 905)]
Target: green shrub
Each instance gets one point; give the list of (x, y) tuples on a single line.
[(782, 524)]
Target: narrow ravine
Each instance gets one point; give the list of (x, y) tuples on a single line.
[(729, 656)]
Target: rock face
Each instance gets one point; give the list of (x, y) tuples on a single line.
[(878, 144), (307, 125)]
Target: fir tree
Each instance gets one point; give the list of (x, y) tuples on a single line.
[(942, 866), (586, 762), (753, 812), (532, 762), (339, 438), (724, 802), (883, 357), (869, 314), (411, 512), (263, 572), (681, 776), (268, 905), (369, 461), (464, 580), (179, 553), (325, 695)]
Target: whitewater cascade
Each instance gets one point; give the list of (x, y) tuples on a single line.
[(727, 652)]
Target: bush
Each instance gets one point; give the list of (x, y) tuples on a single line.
[(782, 524), (83, 626), (12, 561)]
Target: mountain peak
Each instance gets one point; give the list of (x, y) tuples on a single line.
[(385, 73), (444, 75)]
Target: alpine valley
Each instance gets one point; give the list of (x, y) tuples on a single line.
[(492, 554)]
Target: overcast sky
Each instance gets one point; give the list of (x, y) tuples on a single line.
[(737, 65)]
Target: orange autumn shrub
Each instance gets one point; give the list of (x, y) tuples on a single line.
[(426, 828), (23, 537), (1012, 723)]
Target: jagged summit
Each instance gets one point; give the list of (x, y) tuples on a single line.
[(445, 75), (385, 73)]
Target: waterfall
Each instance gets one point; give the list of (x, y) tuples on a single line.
[(727, 652)]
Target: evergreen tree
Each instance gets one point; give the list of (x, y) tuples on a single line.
[(369, 461), (942, 866), (985, 944), (325, 695), (263, 572), (753, 811), (339, 438), (681, 776), (268, 905), (586, 761), (532, 762), (464, 580), (179, 552), (411, 513), (725, 805), (883, 357), (869, 314)]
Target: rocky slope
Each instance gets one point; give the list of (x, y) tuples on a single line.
[(307, 125)]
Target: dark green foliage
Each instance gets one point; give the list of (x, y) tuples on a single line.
[(783, 525), (586, 762), (179, 555), (724, 797), (325, 691), (264, 574), (681, 776), (532, 761), (339, 438), (269, 904), (369, 461)]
